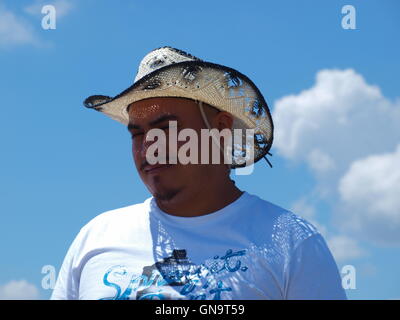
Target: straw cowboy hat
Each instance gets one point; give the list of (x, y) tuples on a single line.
[(170, 72)]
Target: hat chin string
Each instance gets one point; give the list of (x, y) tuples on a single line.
[(203, 115)]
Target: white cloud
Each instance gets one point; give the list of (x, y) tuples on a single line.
[(340, 119), (18, 290), (370, 192), (346, 131), (63, 7), (344, 248), (303, 208), (14, 30), (320, 162)]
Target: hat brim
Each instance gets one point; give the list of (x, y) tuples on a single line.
[(219, 86)]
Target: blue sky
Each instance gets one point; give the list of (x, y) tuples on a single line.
[(334, 95)]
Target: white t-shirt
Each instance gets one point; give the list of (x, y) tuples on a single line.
[(250, 249)]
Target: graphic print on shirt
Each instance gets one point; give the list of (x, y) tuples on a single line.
[(176, 277)]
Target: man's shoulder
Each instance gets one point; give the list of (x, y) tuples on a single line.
[(118, 216), (283, 223)]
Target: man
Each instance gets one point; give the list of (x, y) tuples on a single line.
[(198, 236)]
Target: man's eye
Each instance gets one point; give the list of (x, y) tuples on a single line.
[(134, 135)]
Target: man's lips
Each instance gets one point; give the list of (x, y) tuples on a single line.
[(155, 168)]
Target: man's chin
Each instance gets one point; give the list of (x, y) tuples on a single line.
[(166, 195)]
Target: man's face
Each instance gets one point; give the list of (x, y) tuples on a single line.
[(166, 181)]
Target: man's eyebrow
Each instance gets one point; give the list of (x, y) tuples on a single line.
[(160, 119)]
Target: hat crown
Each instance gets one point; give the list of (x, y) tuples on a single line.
[(162, 57)]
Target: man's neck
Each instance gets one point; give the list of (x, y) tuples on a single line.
[(206, 200)]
